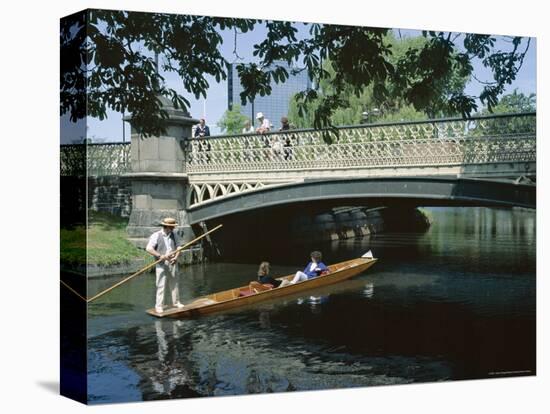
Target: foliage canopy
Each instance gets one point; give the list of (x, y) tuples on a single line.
[(108, 62), (232, 121)]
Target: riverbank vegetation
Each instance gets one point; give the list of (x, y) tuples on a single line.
[(107, 242)]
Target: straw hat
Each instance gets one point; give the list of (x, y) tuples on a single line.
[(169, 221)]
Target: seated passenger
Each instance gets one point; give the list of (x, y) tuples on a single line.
[(312, 269), (265, 278)]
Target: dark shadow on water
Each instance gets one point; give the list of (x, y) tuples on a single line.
[(456, 302), (98, 309), (51, 386)]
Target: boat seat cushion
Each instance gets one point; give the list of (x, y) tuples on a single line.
[(259, 287), (246, 292)]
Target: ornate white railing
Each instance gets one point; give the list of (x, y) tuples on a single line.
[(108, 159), (488, 139)]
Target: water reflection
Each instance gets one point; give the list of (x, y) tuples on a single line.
[(171, 373), (314, 302), (456, 302), (368, 290)]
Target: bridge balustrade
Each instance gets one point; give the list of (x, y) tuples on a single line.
[(95, 159), (440, 142), (452, 141)]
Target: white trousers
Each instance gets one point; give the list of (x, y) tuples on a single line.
[(167, 277), (299, 277)]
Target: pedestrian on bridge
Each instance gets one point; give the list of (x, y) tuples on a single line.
[(201, 132), (248, 128), (263, 128), (287, 141), (264, 124)]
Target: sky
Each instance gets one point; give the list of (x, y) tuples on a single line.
[(212, 109)]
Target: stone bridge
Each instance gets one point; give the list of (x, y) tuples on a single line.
[(480, 161)]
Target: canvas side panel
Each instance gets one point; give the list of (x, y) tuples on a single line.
[(73, 369)]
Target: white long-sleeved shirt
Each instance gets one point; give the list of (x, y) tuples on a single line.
[(168, 242)]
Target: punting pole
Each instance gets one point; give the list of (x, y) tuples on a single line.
[(139, 272)]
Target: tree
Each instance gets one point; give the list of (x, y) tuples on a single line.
[(441, 89), (514, 102), (391, 107), (232, 121), (108, 62)]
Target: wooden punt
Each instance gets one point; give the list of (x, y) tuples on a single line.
[(255, 292)]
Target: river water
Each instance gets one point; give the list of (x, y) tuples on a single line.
[(456, 302)]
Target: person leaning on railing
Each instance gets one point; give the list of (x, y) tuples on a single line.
[(287, 142), (248, 128), (201, 132), (263, 128)]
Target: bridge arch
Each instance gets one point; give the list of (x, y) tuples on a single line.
[(419, 191)]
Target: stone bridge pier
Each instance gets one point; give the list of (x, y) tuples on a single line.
[(158, 177)]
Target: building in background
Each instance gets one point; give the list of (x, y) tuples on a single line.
[(273, 106)]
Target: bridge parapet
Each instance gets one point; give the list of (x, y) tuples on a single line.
[(443, 142), (497, 146), (95, 160)]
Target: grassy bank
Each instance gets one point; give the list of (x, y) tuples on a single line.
[(107, 242)]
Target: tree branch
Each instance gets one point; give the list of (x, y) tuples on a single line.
[(237, 57)]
